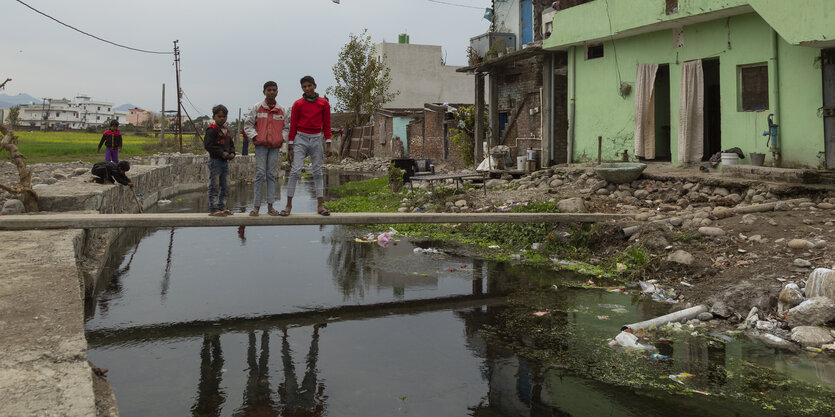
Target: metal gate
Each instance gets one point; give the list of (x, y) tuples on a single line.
[(828, 61)]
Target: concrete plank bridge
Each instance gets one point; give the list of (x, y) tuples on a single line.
[(95, 220)]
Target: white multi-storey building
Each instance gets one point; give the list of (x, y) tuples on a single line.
[(79, 113)]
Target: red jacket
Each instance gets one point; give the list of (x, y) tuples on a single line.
[(310, 117), (264, 125)]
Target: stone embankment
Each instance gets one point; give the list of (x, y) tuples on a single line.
[(46, 274)]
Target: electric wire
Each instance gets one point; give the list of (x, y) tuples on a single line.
[(192, 104), (614, 49), (93, 36), (456, 4)]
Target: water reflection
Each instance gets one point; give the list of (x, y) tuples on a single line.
[(405, 332), (307, 399), (210, 397)]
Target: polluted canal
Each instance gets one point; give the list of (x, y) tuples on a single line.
[(322, 321)]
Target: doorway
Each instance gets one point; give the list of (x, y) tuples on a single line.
[(662, 113), (828, 66), (712, 110)]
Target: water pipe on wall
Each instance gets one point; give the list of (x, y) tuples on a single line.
[(572, 78)]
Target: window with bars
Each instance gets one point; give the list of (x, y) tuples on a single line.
[(753, 87)]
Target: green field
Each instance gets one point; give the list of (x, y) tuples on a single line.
[(74, 146)]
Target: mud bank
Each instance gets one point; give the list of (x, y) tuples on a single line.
[(46, 274)]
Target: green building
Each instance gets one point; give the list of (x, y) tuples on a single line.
[(679, 80)]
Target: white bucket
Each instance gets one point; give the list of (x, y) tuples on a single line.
[(520, 163), (730, 158)]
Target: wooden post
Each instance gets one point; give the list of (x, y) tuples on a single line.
[(546, 94), (179, 94), (478, 135), (599, 148), (494, 112), (162, 121)]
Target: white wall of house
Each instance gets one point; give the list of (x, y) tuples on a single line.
[(418, 72), (78, 113)]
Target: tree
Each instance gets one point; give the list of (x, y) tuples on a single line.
[(362, 82), (462, 136), (14, 116)]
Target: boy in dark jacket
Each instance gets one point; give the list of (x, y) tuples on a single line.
[(107, 173), (112, 141), (218, 142)]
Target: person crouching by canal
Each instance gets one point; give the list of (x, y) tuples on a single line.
[(221, 147), (112, 141), (107, 173)]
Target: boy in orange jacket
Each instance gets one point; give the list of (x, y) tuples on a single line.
[(264, 125)]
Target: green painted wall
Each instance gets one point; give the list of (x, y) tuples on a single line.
[(797, 21), (604, 18), (800, 22), (735, 41), (398, 128)]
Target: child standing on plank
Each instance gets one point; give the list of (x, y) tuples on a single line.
[(218, 142), (310, 124), (265, 125), (112, 141)]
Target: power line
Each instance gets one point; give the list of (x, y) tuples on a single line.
[(455, 4), (192, 104), (91, 35)]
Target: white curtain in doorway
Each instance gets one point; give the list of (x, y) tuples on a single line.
[(645, 111), (691, 112)]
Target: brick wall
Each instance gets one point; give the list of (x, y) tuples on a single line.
[(433, 143), (383, 136), (414, 134), (517, 81)]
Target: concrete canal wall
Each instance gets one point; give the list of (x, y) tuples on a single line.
[(44, 278)]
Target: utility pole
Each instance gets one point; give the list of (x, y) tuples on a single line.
[(45, 114), (162, 119), (179, 94)]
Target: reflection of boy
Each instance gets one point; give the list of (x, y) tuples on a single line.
[(107, 173), (112, 141), (221, 150)]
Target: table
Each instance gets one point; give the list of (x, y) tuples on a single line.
[(456, 178)]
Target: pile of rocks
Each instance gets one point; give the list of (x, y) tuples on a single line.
[(804, 308)]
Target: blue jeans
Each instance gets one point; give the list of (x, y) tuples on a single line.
[(266, 162), (218, 187), (307, 145)]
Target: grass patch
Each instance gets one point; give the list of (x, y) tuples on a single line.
[(372, 195), (73, 146)]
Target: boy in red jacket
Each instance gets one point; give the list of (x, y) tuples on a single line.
[(112, 141), (310, 124), (264, 125)]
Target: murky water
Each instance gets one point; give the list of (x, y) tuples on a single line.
[(305, 321)]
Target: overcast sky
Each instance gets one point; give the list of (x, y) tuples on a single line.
[(228, 47)]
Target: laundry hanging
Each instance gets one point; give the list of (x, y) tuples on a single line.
[(691, 112), (645, 111)]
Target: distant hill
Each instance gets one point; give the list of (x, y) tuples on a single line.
[(125, 107), (7, 101)]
